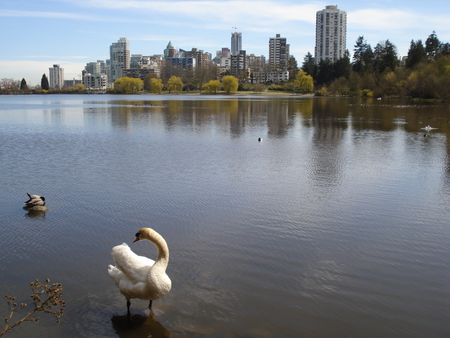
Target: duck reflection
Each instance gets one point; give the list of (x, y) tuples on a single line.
[(138, 326), (35, 211)]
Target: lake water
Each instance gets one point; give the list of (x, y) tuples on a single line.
[(335, 225)]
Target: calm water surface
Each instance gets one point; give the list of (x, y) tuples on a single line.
[(335, 225)]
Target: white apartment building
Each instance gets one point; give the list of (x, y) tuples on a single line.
[(95, 81), (276, 76), (331, 34), (119, 58), (56, 77)]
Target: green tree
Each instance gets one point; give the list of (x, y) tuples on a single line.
[(128, 85), (444, 49), (156, 86), (342, 66), (44, 82), (304, 82), (174, 84), (213, 86), (416, 54), (80, 88), (147, 80), (385, 56), (325, 72), (292, 67), (309, 65), (432, 45), (23, 85), (362, 56), (230, 84)]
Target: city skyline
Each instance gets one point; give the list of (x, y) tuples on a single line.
[(71, 33)]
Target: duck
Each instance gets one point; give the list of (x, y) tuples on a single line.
[(138, 276), (260, 139), (35, 200), (428, 128)]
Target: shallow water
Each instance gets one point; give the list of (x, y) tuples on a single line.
[(335, 225)]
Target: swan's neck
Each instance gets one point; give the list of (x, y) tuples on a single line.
[(163, 258), (163, 253)]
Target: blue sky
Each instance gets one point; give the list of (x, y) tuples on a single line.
[(37, 34)]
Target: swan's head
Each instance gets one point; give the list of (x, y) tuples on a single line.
[(145, 233)]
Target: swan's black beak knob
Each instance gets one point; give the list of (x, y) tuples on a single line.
[(137, 237)]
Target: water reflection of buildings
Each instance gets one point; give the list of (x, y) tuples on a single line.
[(233, 115)]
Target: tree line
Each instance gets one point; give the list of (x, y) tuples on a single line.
[(424, 74), (154, 85)]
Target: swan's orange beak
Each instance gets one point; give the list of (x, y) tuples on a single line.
[(137, 239)]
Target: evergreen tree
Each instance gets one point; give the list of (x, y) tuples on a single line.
[(44, 82), (432, 45), (309, 65), (416, 54), (23, 85), (385, 56), (342, 67), (362, 56), (325, 72), (292, 67), (444, 49)]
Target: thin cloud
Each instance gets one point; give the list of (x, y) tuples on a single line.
[(48, 15), (54, 57), (248, 12), (377, 19)]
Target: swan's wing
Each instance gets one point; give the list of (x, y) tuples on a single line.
[(133, 267)]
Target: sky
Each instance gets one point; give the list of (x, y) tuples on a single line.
[(36, 34)]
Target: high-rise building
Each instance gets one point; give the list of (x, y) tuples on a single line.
[(56, 77), (331, 34), (236, 43), (238, 63), (278, 52), (93, 67), (119, 57)]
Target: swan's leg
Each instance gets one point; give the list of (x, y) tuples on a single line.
[(150, 305), (128, 309)]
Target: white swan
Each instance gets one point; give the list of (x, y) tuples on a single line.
[(35, 200), (138, 276)]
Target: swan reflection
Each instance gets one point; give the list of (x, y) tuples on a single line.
[(138, 326)]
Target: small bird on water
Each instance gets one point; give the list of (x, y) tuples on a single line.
[(35, 200)]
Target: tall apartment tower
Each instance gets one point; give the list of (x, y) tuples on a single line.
[(331, 34), (236, 43), (278, 52), (119, 57), (56, 77)]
